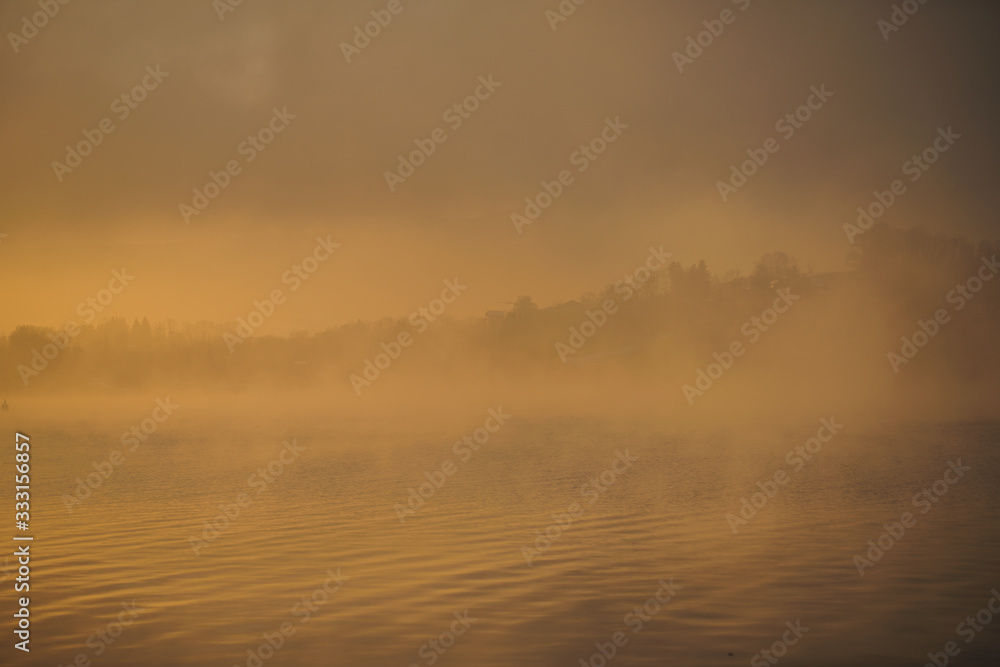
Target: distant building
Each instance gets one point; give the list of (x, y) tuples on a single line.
[(495, 316)]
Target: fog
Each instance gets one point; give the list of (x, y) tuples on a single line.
[(655, 347), (761, 228), (325, 173)]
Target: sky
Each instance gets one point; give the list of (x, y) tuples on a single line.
[(555, 84)]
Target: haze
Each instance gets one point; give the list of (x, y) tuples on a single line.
[(324, 174)]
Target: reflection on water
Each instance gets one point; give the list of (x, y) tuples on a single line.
[(319, 563)]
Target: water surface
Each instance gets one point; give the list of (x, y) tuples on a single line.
[(662, 518)]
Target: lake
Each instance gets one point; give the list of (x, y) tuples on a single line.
[(524, 541)]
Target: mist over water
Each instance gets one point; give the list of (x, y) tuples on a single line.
[(905, 335), (716, 466), (447, 334), (663, 516)]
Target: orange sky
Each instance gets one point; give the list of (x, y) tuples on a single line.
[(325, 172)]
